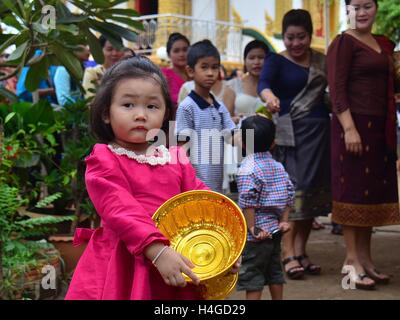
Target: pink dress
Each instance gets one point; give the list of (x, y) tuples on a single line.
[(175, 82), (125, 194)]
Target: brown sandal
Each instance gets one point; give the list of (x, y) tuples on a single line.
[(292, 273), (375, 278), (311, 268), (363, 286)]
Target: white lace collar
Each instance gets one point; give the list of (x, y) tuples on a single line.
[(159, 155)]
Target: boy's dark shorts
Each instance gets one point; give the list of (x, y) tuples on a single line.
[(261, 265)]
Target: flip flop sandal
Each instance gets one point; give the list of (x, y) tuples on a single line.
[(363, 286), (377, 279)]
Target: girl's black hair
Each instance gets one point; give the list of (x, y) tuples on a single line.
[(264, 133), (137, 67), (348, 2), (255, 44), (174, 37), (298, 18)]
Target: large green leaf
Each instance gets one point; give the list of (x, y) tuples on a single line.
[(122, 12), (19, 51), (21, 107), (129, 22), (62, 10), (22, 43), (8, 95), (23, 36), (36, 73), (41, 112), (100, 3), (95, 47), (72, 19), (53, 61), (111, 36), (116, 30), (71, 28), (68, 59), (38, 27), (116, 2), (9, 117), (5, 37), (11, 21), (10, 41), (10, 5)]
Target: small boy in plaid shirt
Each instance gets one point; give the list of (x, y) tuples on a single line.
[(266, 195)]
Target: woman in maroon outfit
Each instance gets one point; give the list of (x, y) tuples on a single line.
[(364, 179)]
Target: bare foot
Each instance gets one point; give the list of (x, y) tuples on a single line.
[(358, 276), (377, 276)]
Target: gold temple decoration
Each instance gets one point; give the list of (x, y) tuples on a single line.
[(168, 25), (281, 7), (222, 7), (317, 11), (237, 19), (223, 14), (269, 24)]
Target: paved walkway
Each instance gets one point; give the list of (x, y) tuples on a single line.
[(328, 250)]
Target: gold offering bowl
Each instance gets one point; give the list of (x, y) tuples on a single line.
[(209, 229)]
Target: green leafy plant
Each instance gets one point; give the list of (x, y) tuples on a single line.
[(21, 260), (77, 143), (15, 228), (58, 44), (48, 200), (388, 19), (28, 148), (43, 152)]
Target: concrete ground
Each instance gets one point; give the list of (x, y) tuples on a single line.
[(328, 250)]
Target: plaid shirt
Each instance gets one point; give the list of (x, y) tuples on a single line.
[(265, 186)]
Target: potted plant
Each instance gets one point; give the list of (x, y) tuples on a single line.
[(34, 160), (43, 153), (77, 143), (22, 257)]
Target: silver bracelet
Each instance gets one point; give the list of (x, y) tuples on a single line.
[(159, 254)]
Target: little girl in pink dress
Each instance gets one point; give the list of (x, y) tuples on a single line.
[(127, 180)]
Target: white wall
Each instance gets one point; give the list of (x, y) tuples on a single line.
[(297, 4), (204, 9), (253, 11)]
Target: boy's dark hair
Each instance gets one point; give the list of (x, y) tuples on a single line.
[(174, 37), (137, 67), (264, 133), (201, 49), (298, 18)]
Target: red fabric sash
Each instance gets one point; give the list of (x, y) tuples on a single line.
[(390, 130)]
